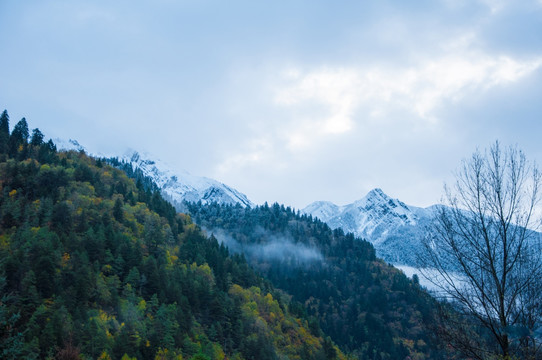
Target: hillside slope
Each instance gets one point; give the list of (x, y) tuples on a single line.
[(93, 265), (366, 306)]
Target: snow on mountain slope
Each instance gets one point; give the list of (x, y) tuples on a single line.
[(62, 144), (179, 186), (176, 186), (394, 228), (323, 210)]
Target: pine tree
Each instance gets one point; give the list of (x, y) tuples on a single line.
[(37, 137), (118, 213), (4, 132), (18, 138)]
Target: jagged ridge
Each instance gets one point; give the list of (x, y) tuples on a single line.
[(394, 228), (179, 186)]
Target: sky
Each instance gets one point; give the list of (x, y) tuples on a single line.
[(288, 101)]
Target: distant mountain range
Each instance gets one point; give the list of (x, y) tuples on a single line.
[(394, 228)]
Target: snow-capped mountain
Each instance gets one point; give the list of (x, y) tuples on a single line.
[(179, 186), (394, 228), (176, 186), (63, 144)]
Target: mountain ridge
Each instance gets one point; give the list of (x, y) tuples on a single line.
[(393, 227), (180, 186), (177, 186)]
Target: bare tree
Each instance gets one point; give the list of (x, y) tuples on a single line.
[(484, 257)]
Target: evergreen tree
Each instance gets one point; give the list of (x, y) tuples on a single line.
[(37, 137), (4, 132), (118, 213), (19, 138), (11, 341)]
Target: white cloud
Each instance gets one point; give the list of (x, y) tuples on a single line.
[(378, 91), (327, 102), (332, 88), (494, 5), (256, 151)]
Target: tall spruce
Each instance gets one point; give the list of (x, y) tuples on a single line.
[(4, 131), (19, 138), (37, 137)]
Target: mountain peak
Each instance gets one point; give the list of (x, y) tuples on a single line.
[(377, 192), (376, 195), (176, 185), (179, 185), (67, 145), (378, 218)]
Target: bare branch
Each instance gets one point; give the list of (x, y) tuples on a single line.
[(484, 255)]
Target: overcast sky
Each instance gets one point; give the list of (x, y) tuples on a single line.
[(289, 101)]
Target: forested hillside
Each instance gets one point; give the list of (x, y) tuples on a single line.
[(369, 308), (95, 265)]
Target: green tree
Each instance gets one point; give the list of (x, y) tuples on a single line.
[(118, 212), (4, 132), (95, 337), (37, 137), (19, 139), (11, 341), (200, 356)]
